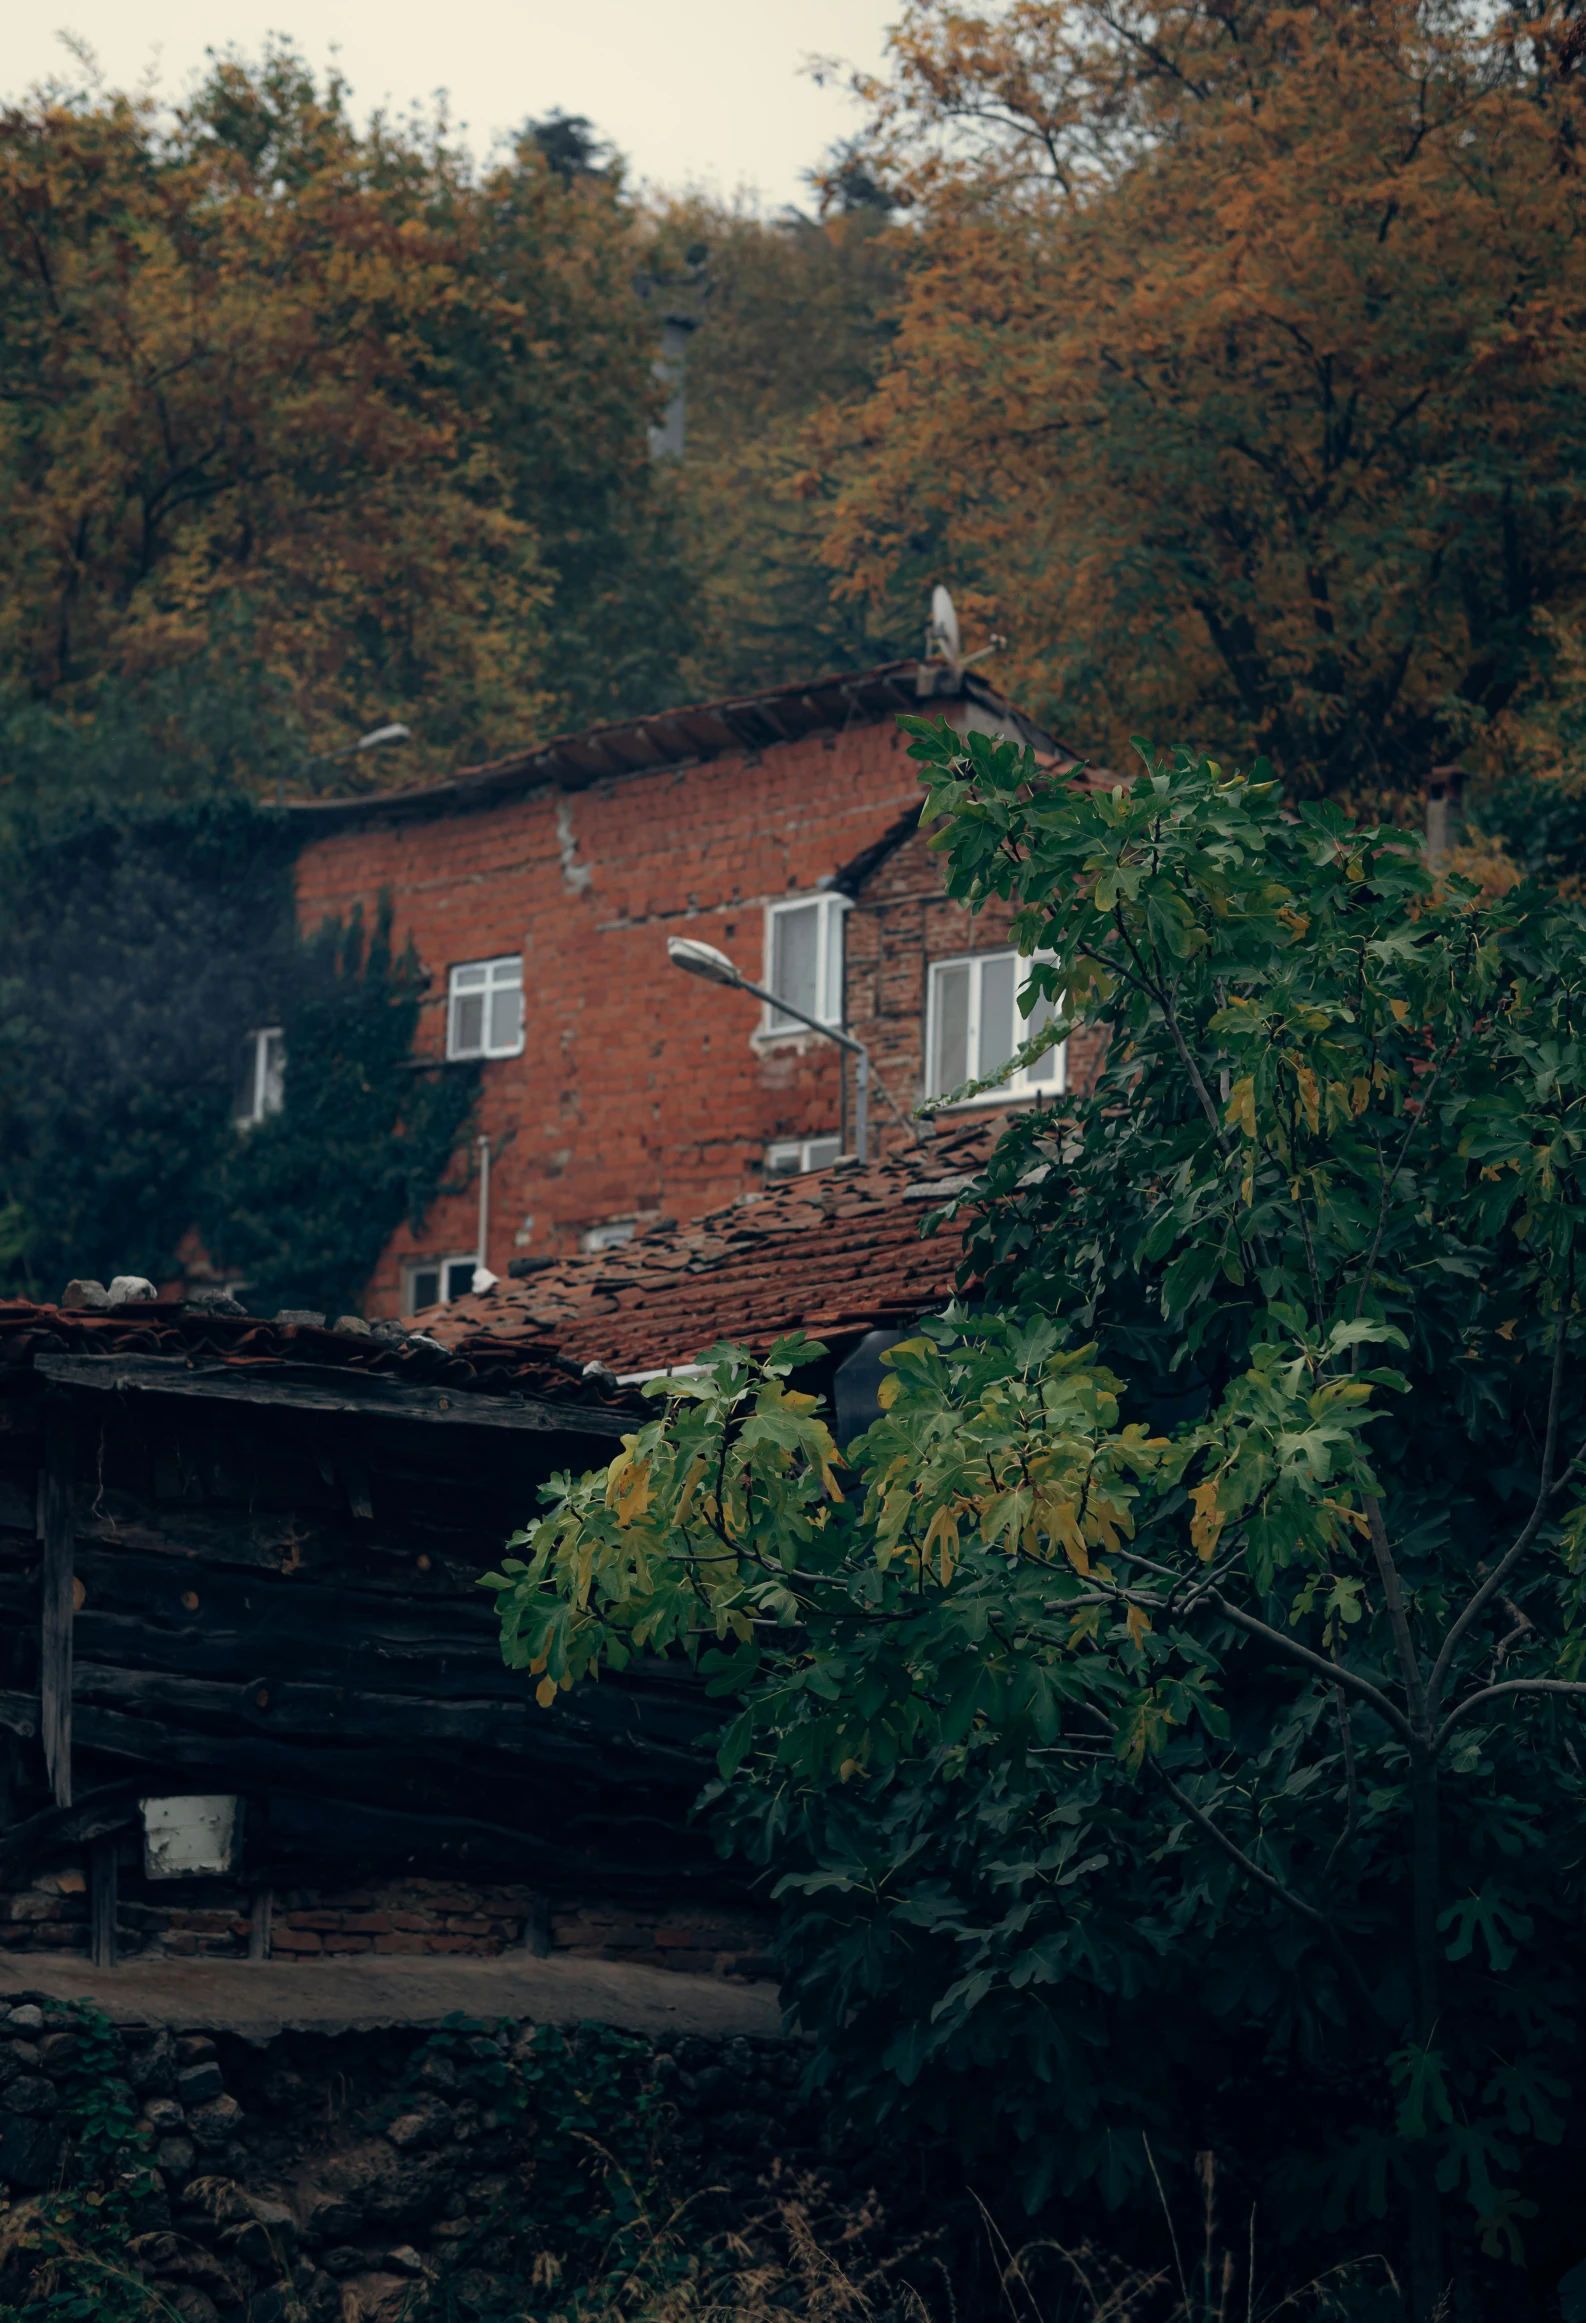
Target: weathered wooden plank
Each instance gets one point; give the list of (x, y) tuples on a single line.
[(384, 1557), (350, 1787), (102, 1902), (260, 1915), (289, 1710), (140, 1614), (108, 1809), (316, 1388), (57, 1543), (16, 1504)]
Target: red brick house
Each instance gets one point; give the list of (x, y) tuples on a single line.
[(540, 890)]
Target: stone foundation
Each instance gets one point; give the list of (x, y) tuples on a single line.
[(213, 1920), (349, 2179)]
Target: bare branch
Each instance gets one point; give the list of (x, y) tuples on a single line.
[(1346, 1735), (1335, 1674), (1509, 1686), (1398, 1617), (1506, 1564), (1274, 1887)]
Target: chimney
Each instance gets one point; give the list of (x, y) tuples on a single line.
[(1444, 828), (671, 368)]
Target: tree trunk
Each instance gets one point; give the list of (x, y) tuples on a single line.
[(1426, 2203)]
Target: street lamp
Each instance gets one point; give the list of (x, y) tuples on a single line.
[(696, 959)]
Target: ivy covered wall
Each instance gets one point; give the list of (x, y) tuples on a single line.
[(140, 945)]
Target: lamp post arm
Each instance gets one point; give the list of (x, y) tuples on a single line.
[(844, 1040)]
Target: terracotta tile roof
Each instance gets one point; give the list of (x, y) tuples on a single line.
[(701, 731), (837, 1251), (529, 1364)]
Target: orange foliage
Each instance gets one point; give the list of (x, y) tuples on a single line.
[(1243, 381), (261, 358)]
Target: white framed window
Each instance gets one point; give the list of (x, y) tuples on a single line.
[(484, 1016), (790, 1157), (611, 1233), (973, 1026), (261, 1080), (435, 1282), (804, 959)]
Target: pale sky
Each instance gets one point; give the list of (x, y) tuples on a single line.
[(695, 92)]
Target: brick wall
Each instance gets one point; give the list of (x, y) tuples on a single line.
[(900, 923), (437, 1918), (642, 1093), (639, 1092)]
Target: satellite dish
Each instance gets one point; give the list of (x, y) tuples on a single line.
[(944, 624)]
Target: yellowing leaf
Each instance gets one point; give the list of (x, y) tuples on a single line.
[(888, 1392), (1207, 1521), (1138, 1623), (1310, 1096), (941, 1538), (1061, 1520), (1242, 1105), (545, 1693), (1360, 1094), (1401, 1009), (628, 1486), (690, 1482)]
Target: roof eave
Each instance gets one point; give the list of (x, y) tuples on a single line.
[(668, 739)]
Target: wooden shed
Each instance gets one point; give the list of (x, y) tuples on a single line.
[(240, 1561)]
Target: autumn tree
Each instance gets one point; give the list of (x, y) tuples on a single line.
[(1240, 378), (256, 354)]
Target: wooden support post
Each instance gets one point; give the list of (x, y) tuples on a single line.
[(537, 1927), (259, 1925), (55, 1604), (102, 1888)]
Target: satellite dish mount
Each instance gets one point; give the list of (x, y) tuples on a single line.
[(944, 655)]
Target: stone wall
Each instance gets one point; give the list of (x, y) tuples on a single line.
[(349, 2179)]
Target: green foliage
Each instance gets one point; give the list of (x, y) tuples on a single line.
[(303, 1203), (586, 2238), (1170, 1732), (795, 319), (73, 2239), (149, 927), (136, 951)]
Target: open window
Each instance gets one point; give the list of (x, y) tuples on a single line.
[(790, 1157), (485, 1008), (435, 1282), (610, 1234), (973, 1026), (804, 959), (261, 1077)]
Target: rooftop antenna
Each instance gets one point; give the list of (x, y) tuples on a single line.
[(944, 657), (942, 639)]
